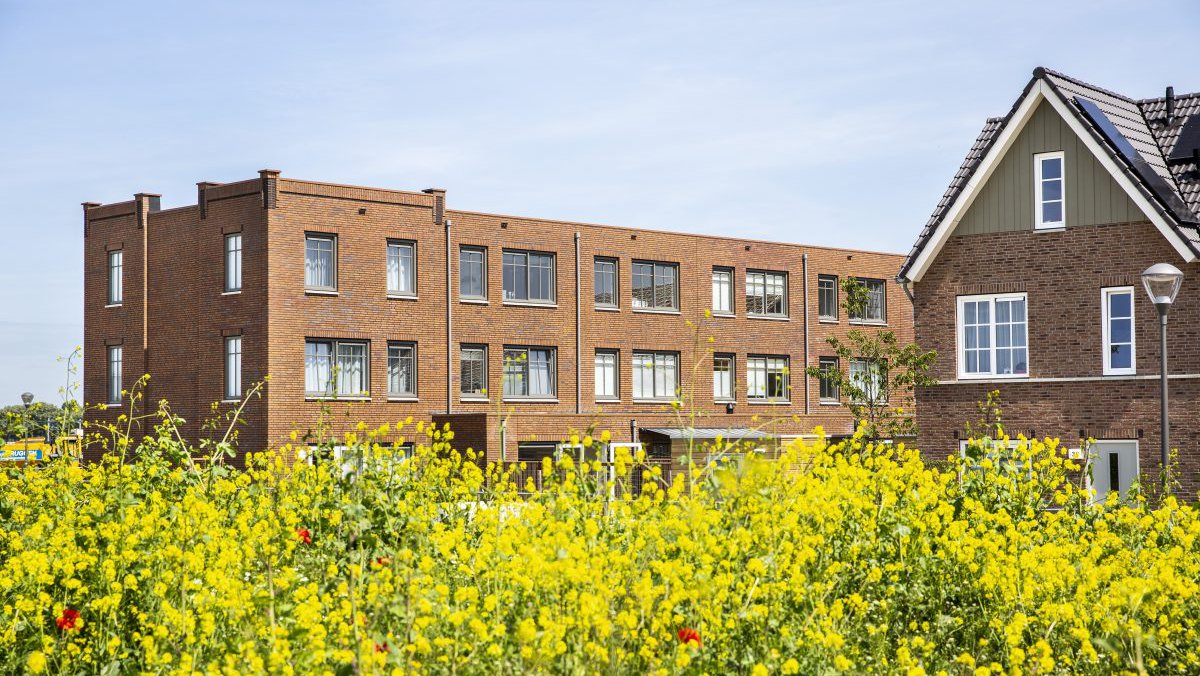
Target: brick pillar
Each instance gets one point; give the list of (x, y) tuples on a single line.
[(270, 187)]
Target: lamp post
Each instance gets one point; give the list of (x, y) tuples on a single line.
[(27, 399), (1162, 282)]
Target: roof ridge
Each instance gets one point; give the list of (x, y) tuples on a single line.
[(1156, 99), (1041, 70)]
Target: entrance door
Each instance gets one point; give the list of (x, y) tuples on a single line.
[(1114, 468)]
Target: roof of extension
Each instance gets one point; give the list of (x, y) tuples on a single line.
[(1159, 156)]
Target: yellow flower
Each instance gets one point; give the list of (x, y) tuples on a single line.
[(36, 662)]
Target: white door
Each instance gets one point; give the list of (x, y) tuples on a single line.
[(1114, 467)]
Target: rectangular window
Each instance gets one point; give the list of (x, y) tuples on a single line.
[(401, 269), (1049, 201), (606, 376), (870, 377), (116, 267), (530, 372), (320, 262), (827, 297), (767, 378), (528, 277), (233, 368), (723, 377), (472, 366), (830, 392), (605, 284), (402, 369), (1119, 344), (766, 294), (115, 354), (472, 272), (655, 286), (875, 310), (335, 367), (722, 291), (992, 336), (655, 375), (233, 262)]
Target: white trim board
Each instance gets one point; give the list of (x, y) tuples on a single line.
[(1040, 91)]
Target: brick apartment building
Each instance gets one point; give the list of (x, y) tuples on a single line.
[(1026, 277), (517, 331)]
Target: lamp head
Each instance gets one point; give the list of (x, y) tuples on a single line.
[(1162, 282), (27, 399)]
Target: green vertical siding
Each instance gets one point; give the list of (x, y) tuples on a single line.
[(1005, 202)]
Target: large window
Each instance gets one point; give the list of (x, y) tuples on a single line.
[(827, 297), (607, 388), (116, 266), (766, 294), (723, 377), (1119, 344), (472, 367), (402, 370), (115, 355), (767, 378), (992, 336), (875, 309), (401, 269), (233, 262), (655, 286), (472, 272), (722, 291), (336, 367), (1049, 201), (320, 262), (655, 375), (528, 277), (830, 393), (870, 377), (605, 282), (233, 368), (530, 372)]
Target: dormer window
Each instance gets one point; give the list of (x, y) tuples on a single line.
[(1049, 202)]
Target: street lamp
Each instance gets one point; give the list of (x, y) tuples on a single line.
[(1162, 282), (27, 399)]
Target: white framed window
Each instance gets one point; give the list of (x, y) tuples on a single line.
[(827, 297), (1120, 352), (875, 310), (530, 372), (472, 272), (472, 367), (1049, 186), (655, 286), (766, 294), (993, 336), (233, 368), (723, 376), (607, 388), (401, 268), (528, 277), (829, 392), (116, 284), (336, 367), (605, 282), (767, 378), (402, 369), (870, 377), (722, 291), (320, 262), (655, 375), (233, 262), (115, 357)]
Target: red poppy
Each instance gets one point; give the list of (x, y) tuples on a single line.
[(68, 619), (381, 647), (305, 535), (688, 636)]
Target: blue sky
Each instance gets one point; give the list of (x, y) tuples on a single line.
[(832, 123)]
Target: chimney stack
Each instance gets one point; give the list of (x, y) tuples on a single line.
[(439, 203), (1170, 105)]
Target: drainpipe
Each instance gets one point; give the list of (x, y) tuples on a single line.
[(449, 329), (578, 338), (804, 271), (903, 282)]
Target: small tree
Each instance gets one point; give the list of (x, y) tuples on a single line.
[(879, 386)]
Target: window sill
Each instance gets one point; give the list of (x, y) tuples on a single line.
[(828, 320), (519, 303), (992, 376), (828, 402), (317, 397), (474, 301), (1119, 374), (530, 400), (401, 296), (768, 402), (769, 318), (603, 308), (231, 293), (724, 315), (724, 401), (403, 399), (231, 401), (113, 305), (318, 292), (608, 401), (860, 322), (475, 400), (650, 311), (653, 401), (1050, 228)]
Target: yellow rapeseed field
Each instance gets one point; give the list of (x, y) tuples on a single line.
[(834, 558)]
